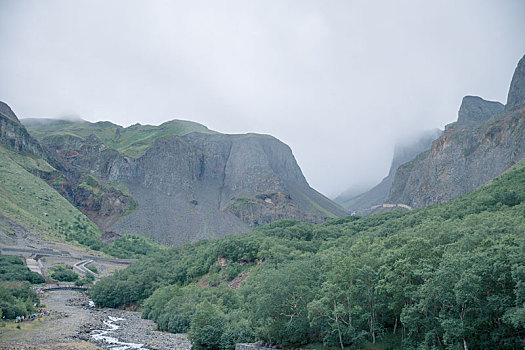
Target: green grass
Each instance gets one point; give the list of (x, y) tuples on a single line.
[(30, 163), (132, 141), (11, 329), (322, 210), (92, 184), (30, 202)]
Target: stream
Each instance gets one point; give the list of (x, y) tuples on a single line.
[(103, 335)]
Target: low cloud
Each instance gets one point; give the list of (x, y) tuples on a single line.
[(339, 81)]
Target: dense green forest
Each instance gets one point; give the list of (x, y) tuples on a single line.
[(16, 297), (441, 277)]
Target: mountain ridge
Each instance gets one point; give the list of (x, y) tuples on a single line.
[(486, 140), (187, 182)]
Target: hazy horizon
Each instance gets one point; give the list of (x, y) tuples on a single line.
[(339, 82)]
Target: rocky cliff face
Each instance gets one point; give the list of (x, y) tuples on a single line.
[(15, 139), (516, 96), (477, 110), (486, 141), (104, 205), (14, 136), (403, 152), (194, 185)]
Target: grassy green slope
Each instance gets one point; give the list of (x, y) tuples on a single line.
[(30, 202), (441, 275), (131, 141)]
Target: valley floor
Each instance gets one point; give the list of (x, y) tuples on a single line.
[(72, 322)]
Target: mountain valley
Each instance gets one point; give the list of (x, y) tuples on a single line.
[(219, 240)]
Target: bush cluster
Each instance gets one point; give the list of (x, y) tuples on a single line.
[(16, 296)]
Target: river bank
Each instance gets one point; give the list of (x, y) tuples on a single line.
[(129, 327), (73, 325)]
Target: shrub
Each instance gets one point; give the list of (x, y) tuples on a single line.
[(63, 273)]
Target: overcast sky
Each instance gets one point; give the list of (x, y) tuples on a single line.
[(338, 81)]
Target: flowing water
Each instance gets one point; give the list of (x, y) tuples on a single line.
[(113, 343)]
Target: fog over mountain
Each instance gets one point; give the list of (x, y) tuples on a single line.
[(340, 82)]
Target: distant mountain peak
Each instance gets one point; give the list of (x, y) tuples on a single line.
[(516, 97), (465, 158)]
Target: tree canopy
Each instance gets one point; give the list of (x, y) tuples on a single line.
[(445, 276)]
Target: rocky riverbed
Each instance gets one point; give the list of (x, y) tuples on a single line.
[(128, 327), (74, 325)]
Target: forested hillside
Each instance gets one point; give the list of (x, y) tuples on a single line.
[(446, 276)]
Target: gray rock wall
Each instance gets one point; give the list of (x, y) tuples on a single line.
[(201, 186), (477, 110), (471, 152), (516, 96), (190, 187)]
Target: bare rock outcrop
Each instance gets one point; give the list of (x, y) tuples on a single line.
[(183, 186), (486, 141)]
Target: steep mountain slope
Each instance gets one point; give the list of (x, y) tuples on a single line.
[(516, 97), (187, 182), (28, 203), (486, 140), (403, 153), (14, 136)]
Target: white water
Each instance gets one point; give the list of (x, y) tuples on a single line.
[(112, 342)]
